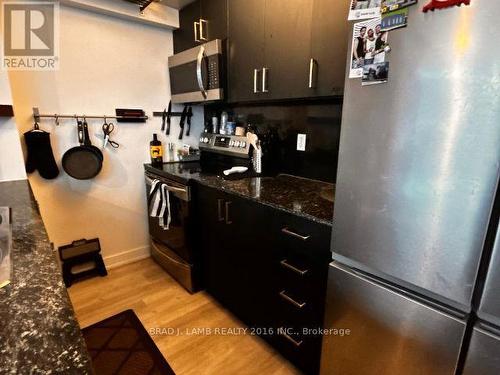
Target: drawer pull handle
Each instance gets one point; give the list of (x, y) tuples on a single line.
[(287, 298), (228, 221), (283, 333), (285, 264), (219, 210), (293, 234)]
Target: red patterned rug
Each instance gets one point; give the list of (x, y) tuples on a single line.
[(121, 345)]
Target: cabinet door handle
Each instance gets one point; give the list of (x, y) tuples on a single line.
[(283, 333), (196, 37), (264, 79), (293, 234), (202, 21), (227, 213), (219, 210), (312, 65), (287, 298), (256, 81), (285, 264)]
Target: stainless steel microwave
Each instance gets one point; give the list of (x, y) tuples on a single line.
[(196, 75)]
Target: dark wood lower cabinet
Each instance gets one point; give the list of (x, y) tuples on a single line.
[(270, 278)]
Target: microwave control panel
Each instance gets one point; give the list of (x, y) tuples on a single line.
[(214, 78)]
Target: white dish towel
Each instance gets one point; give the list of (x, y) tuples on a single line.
[(159, 203)]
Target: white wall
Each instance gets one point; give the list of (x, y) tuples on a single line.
[(11, 157), (105, 63)]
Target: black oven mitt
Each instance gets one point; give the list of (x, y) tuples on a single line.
[(40, 155)]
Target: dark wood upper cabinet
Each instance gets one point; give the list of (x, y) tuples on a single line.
[(276, 49), (246, 49), (329, 42), (201, 22), (213, 20), (184, 37), (287, 46)]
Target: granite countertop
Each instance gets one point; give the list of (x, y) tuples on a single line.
[(39, 333), (303, 197)]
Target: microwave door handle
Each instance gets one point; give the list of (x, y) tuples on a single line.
[(199, 77)]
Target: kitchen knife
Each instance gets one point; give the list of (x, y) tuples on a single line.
[(189, 115), (169, 117), (163, 119), (183, 120)]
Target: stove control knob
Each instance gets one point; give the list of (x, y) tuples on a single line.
[(205, 140), (231, 143), (243, 144), (237, 144)]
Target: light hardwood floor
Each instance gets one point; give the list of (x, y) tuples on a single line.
[(160, 303)]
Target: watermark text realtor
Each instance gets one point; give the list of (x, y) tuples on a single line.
[(30, 35)]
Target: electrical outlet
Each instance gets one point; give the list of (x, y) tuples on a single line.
[(301, 142)]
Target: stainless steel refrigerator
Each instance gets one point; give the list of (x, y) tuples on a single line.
[(415, 276)]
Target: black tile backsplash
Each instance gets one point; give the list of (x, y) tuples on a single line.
[(320, 121)]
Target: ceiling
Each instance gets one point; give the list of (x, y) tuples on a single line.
[(177, 4)]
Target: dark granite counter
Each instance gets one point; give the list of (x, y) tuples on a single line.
[(39, 333), (310, 199)]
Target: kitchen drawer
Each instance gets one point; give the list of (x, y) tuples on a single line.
[(303, 237), (301, 274), (297, 307), (304, 351)]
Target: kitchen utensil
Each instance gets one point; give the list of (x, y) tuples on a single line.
[(107, 130), (189, 115), (252, 139), (227, 172), (257, 159), (240, 131), (83, 162), (169, 117), (163, 119), (183, 120)]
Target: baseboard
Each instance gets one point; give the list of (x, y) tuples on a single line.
[(126, 257)]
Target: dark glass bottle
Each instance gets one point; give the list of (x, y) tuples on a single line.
[(156, 151)]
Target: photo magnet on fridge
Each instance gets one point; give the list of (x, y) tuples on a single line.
[(364, 9), (395, 20), (373, 74), (369, 44), (391, 5)]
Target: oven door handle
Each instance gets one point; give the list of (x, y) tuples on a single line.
[(183, 192), (199, 61)]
